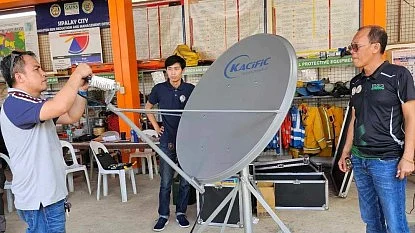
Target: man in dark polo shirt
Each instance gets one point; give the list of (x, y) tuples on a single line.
[(172, 94), (381, 135)]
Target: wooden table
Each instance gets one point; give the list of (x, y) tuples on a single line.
[(120, 145)]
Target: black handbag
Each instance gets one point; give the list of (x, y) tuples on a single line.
[(109, 163)]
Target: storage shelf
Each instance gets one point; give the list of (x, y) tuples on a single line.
[(321, 97), (55, 79)]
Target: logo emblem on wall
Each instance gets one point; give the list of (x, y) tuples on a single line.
[(79, 42), (55, 10), (87, 6)]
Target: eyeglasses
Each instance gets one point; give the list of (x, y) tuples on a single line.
[(355, 47), (15, 56)]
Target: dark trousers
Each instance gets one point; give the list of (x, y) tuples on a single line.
[(166, 174)]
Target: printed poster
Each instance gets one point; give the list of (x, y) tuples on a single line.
[(75, 46), (18, 34), (404, 57)]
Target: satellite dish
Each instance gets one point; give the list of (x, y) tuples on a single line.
[(258, 74)]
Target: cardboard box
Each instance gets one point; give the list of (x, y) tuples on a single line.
[(269, 196), (264, 184)]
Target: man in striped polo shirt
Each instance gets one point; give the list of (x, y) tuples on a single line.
[(27, 121)]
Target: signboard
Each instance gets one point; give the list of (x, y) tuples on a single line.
[(75, 46), (403, 57), (330, 61), (18, 34), (68, 15), (194, 70)]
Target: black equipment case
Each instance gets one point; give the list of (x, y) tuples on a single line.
[(213, 196), (297, 183)]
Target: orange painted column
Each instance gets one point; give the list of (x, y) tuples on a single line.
[(373, 12), (124, 55)]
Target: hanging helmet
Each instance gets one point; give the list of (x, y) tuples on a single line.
[(340, 89), (316, 88), (302, 91), (329, 87)]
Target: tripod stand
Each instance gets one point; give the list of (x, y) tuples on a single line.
[(245, 187)]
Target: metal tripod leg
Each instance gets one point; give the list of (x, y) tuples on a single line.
[(232, 195), (246, 188), (228, 213), (246, 200)]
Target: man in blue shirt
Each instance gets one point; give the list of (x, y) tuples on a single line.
[(172, 94), (381, 134)]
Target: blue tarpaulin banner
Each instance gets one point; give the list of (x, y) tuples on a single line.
[(68, 15)]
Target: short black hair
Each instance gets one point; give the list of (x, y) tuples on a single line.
[(173, 60), (6, 65), (377, 34)]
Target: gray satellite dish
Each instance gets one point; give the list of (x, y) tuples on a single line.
[(258, 75)]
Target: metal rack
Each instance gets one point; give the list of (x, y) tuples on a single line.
[(343, 71)]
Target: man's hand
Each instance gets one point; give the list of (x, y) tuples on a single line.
[(342, 163), (82, 71), (159, 130), (405, 168)]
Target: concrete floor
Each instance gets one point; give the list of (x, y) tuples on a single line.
[(139, 213)]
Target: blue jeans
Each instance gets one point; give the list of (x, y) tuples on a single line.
[(166, 174), (49, 219), (381, 195)]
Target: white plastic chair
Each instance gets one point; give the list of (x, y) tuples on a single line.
[(95, 146), (147, 154), (75, 167), (8, 186)]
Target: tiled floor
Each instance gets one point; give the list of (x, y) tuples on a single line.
[(138, 214)]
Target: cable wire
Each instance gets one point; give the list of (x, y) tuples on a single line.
[(202, 201)]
